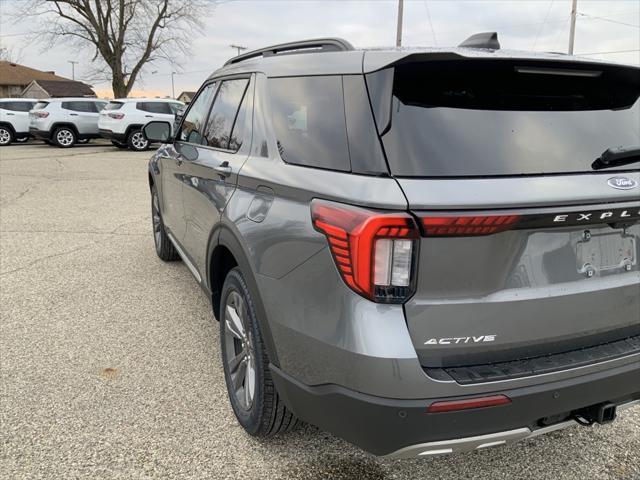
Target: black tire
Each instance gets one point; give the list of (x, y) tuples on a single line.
[(137, 141), (265, 414), (65, 137), (6, 136), (164, 247), (121, 146), (49, 142)]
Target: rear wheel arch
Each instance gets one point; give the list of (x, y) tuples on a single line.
[(225, 248), (8, 126), (131, 127), (57, 125)]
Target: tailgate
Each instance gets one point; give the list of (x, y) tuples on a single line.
[(529, 245), (553, 280)]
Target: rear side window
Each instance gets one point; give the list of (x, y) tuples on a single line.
[(508, 117), (114, 106), (16, 106), (154, 107), (175, 107), (40, 105), (192, 129), (80, 106), (225, 115), (309, 121)]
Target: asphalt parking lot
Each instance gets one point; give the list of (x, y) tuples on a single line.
[(109, 358)]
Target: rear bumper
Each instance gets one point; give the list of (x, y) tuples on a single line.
[(111, 135), (401, 428), (40, 134)]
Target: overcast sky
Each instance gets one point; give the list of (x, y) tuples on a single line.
[(602, 26)]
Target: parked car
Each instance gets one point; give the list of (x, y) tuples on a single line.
[(122, 119), (14, 119), (421, 251), (65, 121)]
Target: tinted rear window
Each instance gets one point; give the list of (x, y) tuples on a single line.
[(154, 107), (224, 114), (78, 106), (17, 106), (475, 118), (114, 106), (309, 121)]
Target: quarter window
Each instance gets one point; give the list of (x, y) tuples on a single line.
[(309, 121), (220, 131), (193, 125)]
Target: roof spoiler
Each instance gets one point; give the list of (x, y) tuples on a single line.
[(488, 40)]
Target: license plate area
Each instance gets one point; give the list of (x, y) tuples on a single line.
[(606, 251)]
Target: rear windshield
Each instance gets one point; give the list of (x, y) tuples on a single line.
[(40, 105), (114, 106), (481, 118)]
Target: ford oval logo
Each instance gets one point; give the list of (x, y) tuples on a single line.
[(622, 183)]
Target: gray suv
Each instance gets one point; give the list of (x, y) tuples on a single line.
[(421, 251)]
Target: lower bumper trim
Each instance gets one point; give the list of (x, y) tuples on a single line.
[(467, 444)]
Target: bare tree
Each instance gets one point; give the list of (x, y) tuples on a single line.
[(125, 35)]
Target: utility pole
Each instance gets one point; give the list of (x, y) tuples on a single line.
[(173, 88), (572, 32), (399, 30), (73, 68), (238, 47)]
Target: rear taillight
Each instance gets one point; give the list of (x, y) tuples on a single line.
[(116, 116), (41, 114), (374, 251), (467, 225)]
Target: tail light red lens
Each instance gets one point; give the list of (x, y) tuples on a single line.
[(468, 403), (374, 251), (467, 225), (116, 116), (41, 114)]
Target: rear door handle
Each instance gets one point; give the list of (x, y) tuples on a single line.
[(11, 114), (148, 116), (224, 170), (73, 114)]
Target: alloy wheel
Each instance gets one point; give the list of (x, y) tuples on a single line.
[(64, 138), (5, 136), (157, 221), (239, 350), (138, 141)]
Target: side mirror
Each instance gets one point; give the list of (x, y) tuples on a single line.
[(157, 132)]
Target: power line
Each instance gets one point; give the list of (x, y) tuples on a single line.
[(606, 53), (542, 25), (593, 17), (433, 32)]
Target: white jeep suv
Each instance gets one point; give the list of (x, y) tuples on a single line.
[(65, 121), (122, 119), (14, 119)]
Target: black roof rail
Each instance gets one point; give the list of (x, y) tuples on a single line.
[(314, 45), (487, 40)]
